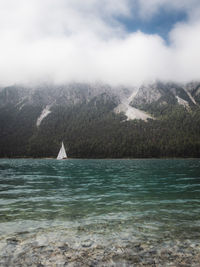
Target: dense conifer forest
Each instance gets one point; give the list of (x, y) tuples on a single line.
[(94, 131)]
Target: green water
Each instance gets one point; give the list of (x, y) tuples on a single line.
[(102, 199)]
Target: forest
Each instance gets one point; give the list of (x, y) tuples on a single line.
[(94, 131)]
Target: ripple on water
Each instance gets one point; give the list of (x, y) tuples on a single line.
[(136, 198)]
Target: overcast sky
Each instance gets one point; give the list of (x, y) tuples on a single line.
[(114, 41)]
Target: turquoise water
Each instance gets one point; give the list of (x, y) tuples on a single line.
[(119, 200)]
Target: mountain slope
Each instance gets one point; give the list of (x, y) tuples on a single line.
[(95, 120)]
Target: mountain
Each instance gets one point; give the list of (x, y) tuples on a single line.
[(156, 97), (98, 120)]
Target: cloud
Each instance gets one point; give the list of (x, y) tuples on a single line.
[(77, 40)]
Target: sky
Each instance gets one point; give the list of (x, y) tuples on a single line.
[(125, 42)]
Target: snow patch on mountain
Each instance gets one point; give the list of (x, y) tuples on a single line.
[(130, 112), (21, 103), (191, 97), (45, 112), (182, 102)]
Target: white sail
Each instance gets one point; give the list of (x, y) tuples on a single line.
[(62, 154)]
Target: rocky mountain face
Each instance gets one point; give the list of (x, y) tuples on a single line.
[(159, 95), (97, 120)]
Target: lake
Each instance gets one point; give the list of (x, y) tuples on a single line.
[(99, 212)]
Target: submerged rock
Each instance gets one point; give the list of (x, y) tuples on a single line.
[(95, 253), (13, 241)]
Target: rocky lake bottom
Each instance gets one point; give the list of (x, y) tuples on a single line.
[(40, 250)]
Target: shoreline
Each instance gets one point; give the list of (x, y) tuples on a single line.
[(69, 158)]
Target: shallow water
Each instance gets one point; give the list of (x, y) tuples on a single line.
[(103, 201)]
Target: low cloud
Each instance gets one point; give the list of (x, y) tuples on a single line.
[(63, 41)]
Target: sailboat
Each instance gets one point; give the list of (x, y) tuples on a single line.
[(62, 153)]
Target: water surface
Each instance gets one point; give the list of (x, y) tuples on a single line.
[(104, 200)]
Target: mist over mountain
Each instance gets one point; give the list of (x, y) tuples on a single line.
[(98, 120), (109, 78)]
